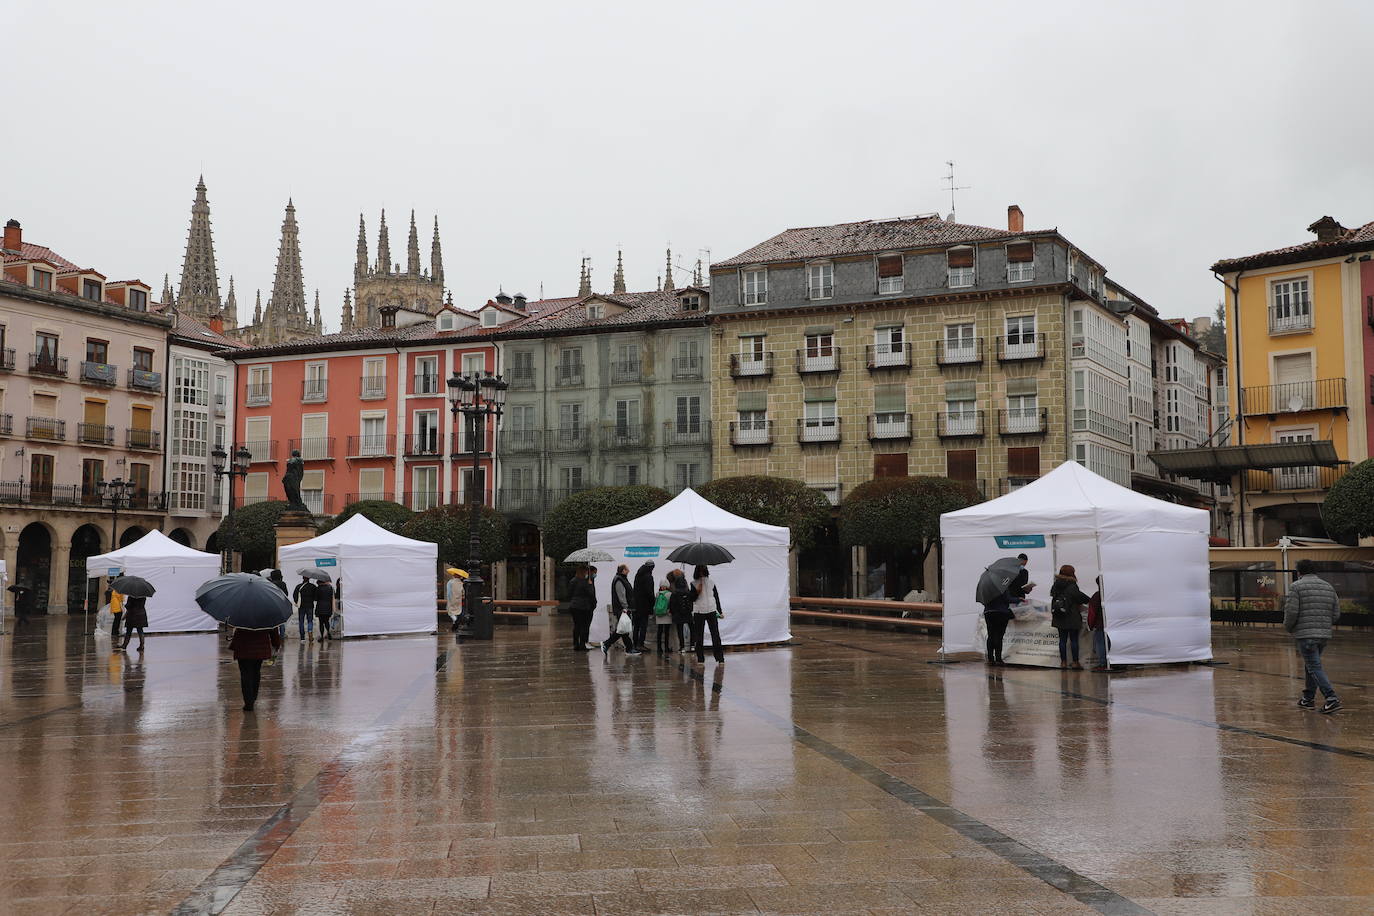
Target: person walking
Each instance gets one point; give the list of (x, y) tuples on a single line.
[(251, 648), (1066, 613), (680, 608), (1097, 625), (324, 608), (117, 611), (453, 596), (581, 602), (135, 618), (23, 600), (643, 602), (706, 613), (304, 597), (622, 604), (1309, 612)]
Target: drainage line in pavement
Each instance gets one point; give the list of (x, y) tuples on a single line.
[(1177, 717), (1056, 874), (224, 883)]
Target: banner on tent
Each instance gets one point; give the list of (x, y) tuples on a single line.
[(112, 571), (326, 561), (1019, 541), (641, 552), (1031, 640)]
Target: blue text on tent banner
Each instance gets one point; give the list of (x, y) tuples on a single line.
[(1015, 541), (113, 571), (641, 551), (330, 561)]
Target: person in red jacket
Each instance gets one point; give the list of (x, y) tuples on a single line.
[(251, 648)]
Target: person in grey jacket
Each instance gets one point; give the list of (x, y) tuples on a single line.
[(1309, 612)]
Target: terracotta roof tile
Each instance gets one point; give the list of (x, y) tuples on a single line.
[(864, 237), (1316, 249), (31, 252)]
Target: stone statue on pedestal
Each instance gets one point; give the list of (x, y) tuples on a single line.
[(291, 482)]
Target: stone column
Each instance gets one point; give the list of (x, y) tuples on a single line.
[(293, 528), (858, 571), (59, 572)]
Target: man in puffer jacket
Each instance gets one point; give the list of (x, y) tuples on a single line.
[(1310, 611)]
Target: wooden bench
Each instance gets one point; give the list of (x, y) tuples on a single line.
[(848, 610), (511, 610)]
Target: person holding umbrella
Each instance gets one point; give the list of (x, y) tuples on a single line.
[(304, 597), (453, 595), (324, 606), (994, 591), (253, 608), (135, 591), (706, 612), (582, 603)]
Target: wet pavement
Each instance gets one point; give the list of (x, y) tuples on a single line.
[(846, 773)]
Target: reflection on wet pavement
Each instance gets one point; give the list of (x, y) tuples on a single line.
[(846, 773)]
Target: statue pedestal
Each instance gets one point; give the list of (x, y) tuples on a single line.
[(293, 528)]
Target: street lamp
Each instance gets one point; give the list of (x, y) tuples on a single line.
[(117, 492), (476, 397), (223, 467)]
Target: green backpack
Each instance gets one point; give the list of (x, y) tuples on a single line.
[(661, 605)]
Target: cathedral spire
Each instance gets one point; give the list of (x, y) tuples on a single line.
[(288, 286), (168, 298), (436, 257), (584, 283), (257, 310), (413, 249), (383, 249), (231, 307), (696, 274), (668, 286), (619, 286), (346, 320), (319, 324), (199, 293), (360, 263)]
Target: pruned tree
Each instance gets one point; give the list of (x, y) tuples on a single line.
[(566, 527), (449, 528), (1348, 510), (251, 531), (384, 513), (780, 501), (902, 514)]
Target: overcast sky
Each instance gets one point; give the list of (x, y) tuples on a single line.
[(1158, 137)]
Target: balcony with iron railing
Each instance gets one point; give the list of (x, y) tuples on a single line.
[(46, 428), (520, 499), (421, 500), (314, 391), (886, 427), (43, 364), (102, 374), (318, 502), (818, 430), (521, 441), (423, 445), (372, 387), (462, 445), (688, 367), (959, 352), (143, 439), (314, 449), (148, 380), (818, 359), (383, 446), (751, 365), (385, 496), (692, 431), (1291, 318), (888, 356), (1012, 350), (221, 405), (569, 375), (259, 395), (94, 434), (522, 377), (6, 359), (263, 451), (751, 434), (557, 496), (1286, 480), (6, 424), (425, 385), (75, 496), (966, 424), (1023, 421), (625, 436), (1293, 397), (624, 370), (569, 439)]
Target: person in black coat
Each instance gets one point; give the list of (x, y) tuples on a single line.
[(135, 618), (324, 607), (645, 591), (304, 598), (680, 606), (622, 603), (1067, 601), (581, 602)]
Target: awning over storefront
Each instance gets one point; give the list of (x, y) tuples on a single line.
[(1222, 463)]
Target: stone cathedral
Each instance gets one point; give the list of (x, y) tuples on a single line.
[(382, 282)]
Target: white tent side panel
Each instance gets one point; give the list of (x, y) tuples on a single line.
[(174, 570), (1156, 597)]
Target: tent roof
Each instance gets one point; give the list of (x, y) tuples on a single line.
[(1073, 500), (153, 545), (689, 517), (358, 531)]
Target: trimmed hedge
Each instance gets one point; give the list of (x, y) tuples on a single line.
[(780, 501), (1348, 510), (900, 513), (448, 526), (566, 527), (251, 530)]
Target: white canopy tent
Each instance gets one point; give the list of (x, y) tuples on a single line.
[(175, 570), (388, 580), (753, 588), (1152, 556)]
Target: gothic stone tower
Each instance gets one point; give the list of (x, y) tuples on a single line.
[(385, 283), (286, 317), (199, 293)]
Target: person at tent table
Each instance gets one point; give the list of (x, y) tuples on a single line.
[(1067, 601)]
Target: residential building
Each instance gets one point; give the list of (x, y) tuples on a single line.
[(1300, 341), (81, 402)]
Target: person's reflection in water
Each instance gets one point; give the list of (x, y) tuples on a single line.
[(1068, 725)]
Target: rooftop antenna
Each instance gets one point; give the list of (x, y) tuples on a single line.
[(953, 187)]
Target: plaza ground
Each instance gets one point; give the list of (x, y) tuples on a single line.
[(845, 773)]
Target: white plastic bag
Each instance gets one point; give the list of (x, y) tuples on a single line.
[(103, 621), (624, 626)]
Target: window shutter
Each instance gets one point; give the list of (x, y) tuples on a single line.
[(960, 257), (312, 427), (812, 395), (889, 398), (1020, 252), (1021, 387), (961, 391), (890, 465), (890, 266), (1023, 462), (962, 464), (751, 400)]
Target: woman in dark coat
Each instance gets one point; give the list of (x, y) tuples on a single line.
[(581, 602), (135, 618), (251, 648), (680, 606), (324, 607), (645, 591), (1066, 613)]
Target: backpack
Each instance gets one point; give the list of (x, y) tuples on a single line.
[(661, 604)]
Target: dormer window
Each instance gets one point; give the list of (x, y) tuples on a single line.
[(489, 318), (90, 289), (890, 273), (820, 280), (42, 279), (445, 322), (691, 303), (595, 310), (389, 318), (1020, 262), (138, 300), (962, 271), (755, 286)]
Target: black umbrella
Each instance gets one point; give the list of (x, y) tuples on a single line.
[(702, 553), (245, 601), (996, 579), (310, 572), (133, 586)]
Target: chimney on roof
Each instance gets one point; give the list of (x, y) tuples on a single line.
[(520, 302), (217, 323), (14, 236), (1327, 229), (1016, 220), (502, 298)]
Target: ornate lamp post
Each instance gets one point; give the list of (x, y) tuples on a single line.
[(116, 493), (223, 467), (476, 398)]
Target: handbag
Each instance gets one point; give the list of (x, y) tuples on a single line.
[(624, 626), (661, 605), (720, 613)]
